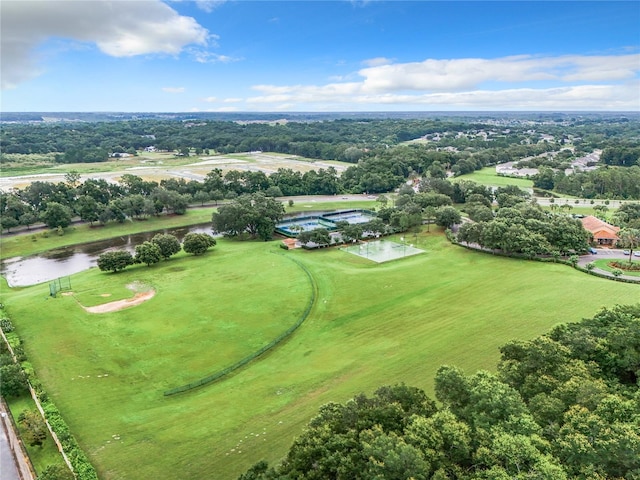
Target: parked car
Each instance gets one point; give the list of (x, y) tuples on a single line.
[(626, 252), (593, 251), (636, 253)]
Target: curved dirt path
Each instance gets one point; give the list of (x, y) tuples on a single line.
[(142, 294), (121, 304)]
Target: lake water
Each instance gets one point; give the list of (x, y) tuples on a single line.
[(47, 266)]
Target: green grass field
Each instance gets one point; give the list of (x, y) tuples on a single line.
[(487, 176), (372, 324), (604, 265)]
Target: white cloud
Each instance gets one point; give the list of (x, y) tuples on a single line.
[(465, 73), (209, 5), (118, 28), (210, 99), (232, 100), (517, 82), (205, 5), (203, 56), (376, 62), (173, 89)]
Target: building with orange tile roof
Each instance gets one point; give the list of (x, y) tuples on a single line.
[(603, 233)]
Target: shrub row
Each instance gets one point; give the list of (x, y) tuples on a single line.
[(81, 466), (633, 267), (226, 371)]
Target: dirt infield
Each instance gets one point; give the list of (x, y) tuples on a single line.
[(143, 293)]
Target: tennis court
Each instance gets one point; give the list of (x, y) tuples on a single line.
[(381, 251)]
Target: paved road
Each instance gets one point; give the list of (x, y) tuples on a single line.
[(8, 470), (611, 205), (607, 254)]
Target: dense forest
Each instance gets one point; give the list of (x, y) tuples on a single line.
[(562, 406), (327, 139), (384, 153)]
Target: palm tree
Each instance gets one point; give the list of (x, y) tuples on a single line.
[(629, 238)]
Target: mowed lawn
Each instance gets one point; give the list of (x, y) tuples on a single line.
[(372, 324), (488, 176)]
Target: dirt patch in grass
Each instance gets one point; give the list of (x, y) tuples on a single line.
[(142, 294)]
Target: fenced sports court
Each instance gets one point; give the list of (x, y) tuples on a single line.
[(293, 226), (381, 251), (353, 217), (61, 284), (298, 225)]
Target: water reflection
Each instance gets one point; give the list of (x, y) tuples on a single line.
[(25, 271)]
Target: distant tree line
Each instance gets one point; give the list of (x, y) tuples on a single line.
[(330, 139), (607, 182), (563, 406), (327, 140), (626, 155)]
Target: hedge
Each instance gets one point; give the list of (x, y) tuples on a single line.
[(82, 468), (226, 371)]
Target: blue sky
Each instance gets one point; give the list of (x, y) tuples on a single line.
[(234, 55)]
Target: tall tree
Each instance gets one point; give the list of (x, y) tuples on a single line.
[(56, 215), (115, 261), (197, 243), (168, 244), (148, 252), (629, 238), (255, 214)]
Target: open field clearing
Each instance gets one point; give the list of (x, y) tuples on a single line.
[(488, 176), (158, 166), (372, 324)]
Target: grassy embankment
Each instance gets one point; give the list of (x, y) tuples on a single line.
[(373, 324)]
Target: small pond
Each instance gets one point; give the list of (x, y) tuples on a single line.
[(25, 271)]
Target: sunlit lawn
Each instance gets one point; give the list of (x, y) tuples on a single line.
[(488, 176), (372, 324)]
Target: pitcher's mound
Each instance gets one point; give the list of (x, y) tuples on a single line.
[(143, 293)]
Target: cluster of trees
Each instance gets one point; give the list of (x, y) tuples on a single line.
[(254, 214), (627, 215), (621, 155), (608, 182), (562, 406), (94, 200), (161, 247), (523, 228)]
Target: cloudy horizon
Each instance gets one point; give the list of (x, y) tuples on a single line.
[(235, 56)]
